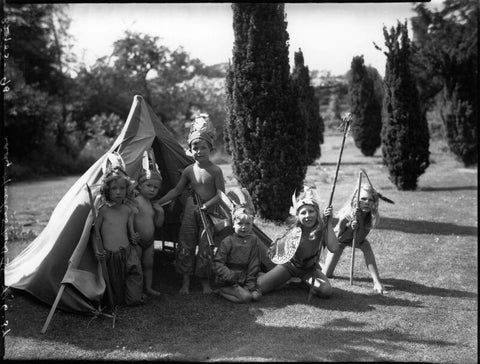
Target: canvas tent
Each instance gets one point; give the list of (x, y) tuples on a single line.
[(62, 254)]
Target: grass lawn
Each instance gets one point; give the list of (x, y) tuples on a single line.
[(426, 248)]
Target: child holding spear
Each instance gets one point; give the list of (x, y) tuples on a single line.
[(355, 222)]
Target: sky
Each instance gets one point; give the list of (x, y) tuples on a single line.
[(329, 34)]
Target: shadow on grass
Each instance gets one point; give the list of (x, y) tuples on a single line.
[(456, 188), (341, 301), (403, 285), (282, 326), (426, 227), (199, 328)]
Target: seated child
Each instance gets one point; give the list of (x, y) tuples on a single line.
[(305, 238), (237, 261), (115, 225), (149, 215), (362, 218)]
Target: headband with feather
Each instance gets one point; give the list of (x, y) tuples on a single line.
[(307, 197), (149, 167), (202, 128)]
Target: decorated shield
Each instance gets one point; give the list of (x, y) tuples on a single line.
[(283, 249)]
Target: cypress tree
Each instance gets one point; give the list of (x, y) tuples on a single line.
[(265, 132), (405, 136), (365, 108), (309, 108), (447, 63)]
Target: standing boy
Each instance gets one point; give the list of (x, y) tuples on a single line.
[(205, 179), (150, 215)]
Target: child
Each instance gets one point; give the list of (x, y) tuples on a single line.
[(205, 179), (115, 224), (149, 215), (237, 261), (306, 236), (365, 217)]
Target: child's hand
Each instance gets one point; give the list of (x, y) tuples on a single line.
[(256, 295), (354, 225), (328, 211), (134, 238), (157, 206)]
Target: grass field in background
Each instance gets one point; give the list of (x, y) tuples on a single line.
[(426, 247)]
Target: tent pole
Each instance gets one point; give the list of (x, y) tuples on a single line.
[(54, 307)]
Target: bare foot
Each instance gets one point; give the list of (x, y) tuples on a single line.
[(152, 292), (184, 290), (378, 288)]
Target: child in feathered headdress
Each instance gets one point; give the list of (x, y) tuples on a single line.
[(362, 218), (150, 215), (205, 179), (296, 252), (237, 260), (115, 225)]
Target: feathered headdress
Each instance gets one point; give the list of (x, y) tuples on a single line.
[(307, 197), (202, 128), (240, 202), (113, 169), (114, 165), (149, 167)]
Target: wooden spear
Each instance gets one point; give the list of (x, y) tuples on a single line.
[(346, 121), (355, 231)]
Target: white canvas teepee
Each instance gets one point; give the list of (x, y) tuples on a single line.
[(62, 253)]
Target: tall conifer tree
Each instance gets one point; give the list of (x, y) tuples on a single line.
[(263, 127), (309, 107), (405, 136), (365, 107)]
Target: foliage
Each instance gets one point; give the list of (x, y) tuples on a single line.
[(405, 138), (29, 122), (264, 129), (309, 108), (365, 107), (447, 60)]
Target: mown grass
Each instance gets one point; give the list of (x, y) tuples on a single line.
[(426, 248)]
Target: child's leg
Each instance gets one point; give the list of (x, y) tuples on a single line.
[(371, 265), (206, 289), (322, 287), (147, 265), (185, 284), (235, 294), (273, 279), (187, 238), (331, 260)]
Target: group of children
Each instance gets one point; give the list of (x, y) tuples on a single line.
[(131, 211)]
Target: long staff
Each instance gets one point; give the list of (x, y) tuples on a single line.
[(354, 241), (346, 120), (205, 225), (98, 246)]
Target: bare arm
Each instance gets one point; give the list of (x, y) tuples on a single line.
[(97, 235), (341, 226), (131, 230), (159, 214), (177, 190)]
